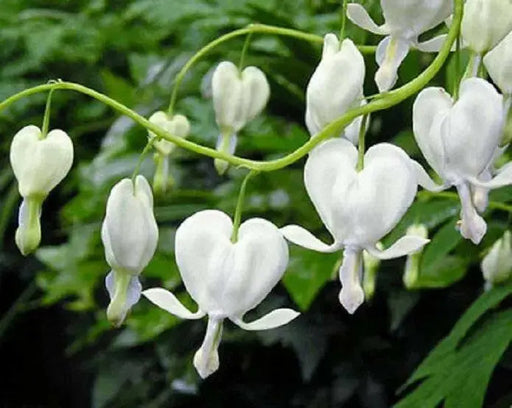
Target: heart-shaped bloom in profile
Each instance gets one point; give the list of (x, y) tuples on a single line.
[(335, 87), (460, 141), (498, 63), (225, 279), (130, 235), (39, 164), (176, 125), (404, 22), (358, 208), (485, 23), (238, 97)]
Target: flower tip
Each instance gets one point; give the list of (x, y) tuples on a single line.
[(221, 166), (206, 365), (115, 315), (351, 299), (473, 229)]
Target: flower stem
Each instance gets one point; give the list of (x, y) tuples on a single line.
[(247, 42), (361, 143), (239, 207), (343, 20), (47, 112)]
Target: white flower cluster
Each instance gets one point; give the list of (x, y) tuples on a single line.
[(359, 199)]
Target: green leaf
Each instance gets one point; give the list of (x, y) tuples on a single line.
[(307, 273)]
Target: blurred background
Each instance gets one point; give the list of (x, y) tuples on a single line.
[(56, 346)]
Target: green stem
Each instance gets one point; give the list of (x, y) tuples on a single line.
[(247, 42), (250, 29), (343, 20), (148, 146), (388, 100), (361, 143), (47, 112), (239, 207)]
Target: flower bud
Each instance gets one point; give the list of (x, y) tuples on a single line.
[(412, 264), (497, 264), (486, 23), (39, 164), (130, 235), (176, 125), (238, 97), (498, 62)]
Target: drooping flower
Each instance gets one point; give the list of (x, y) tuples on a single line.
[(238, 97), (485, 23), (130, 235), (404, 22), (497, 264), (460, 140), (176, 125), (335, 87), (225, 279), (498, 63), (358, 208), (39, 163)]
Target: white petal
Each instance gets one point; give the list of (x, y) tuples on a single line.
[(335, 86), (352, 294), (390, 53), (333, 157), (502, 179), (40, 164), (471, 226), (256, 92), (432, 45), (274, 319), (473, 128), (206, 359), (202, 241), (228, 97), (360, 17), (302, 237), (424, 179), (498, 62), (431, 105), (170, 303), (406, 245)]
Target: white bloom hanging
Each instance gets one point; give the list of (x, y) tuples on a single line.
[(498, 63), (358, 208), (225, 279), (238, 97), (39, 163), (485, 23), (335, 87), (130, 235), (460, 141), (404, 22)]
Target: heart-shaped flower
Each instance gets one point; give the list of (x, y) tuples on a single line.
[(130, 235), (176, 125), (460, 140), (405, 21), (238, 97), (225, 279), (39, 163), (358, 208), (485, 23), (335, 87)]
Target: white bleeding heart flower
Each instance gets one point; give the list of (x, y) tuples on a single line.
[(404, 22), (498, 63), (335, 87), (485, 23), (130, 236), (238, 97), (460, 140), (39, 163), (177, 125), (225, 279), (497, 264), (358, 208)]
